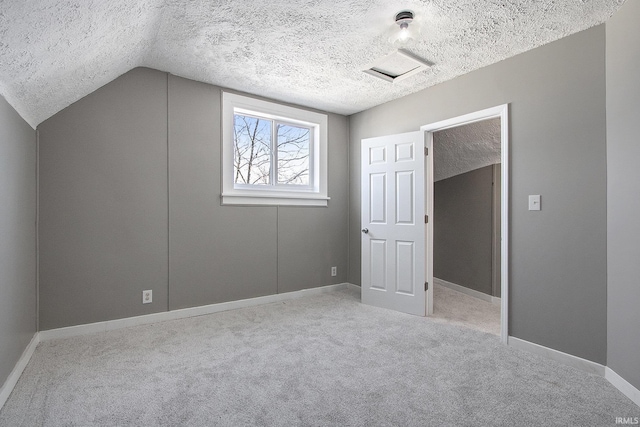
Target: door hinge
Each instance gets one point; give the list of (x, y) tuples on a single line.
[(426, 151), (426, 286), (426, 219)]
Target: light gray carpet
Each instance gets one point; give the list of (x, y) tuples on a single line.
[(456, 308), (316, 361)]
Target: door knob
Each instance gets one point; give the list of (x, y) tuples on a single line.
[(365, 230)]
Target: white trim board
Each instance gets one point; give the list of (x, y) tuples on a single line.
[(616, 380), (470, 292), (14, 376), (585, 365), (623, 385), (559, 356), (501, 111), (110, 325), (354, 287)]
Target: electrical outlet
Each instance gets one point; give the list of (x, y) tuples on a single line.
[(147, 297), (334, 271)]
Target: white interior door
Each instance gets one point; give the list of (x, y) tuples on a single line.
[(393, 223)]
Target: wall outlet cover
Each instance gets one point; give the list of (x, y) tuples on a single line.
[(147, 297)]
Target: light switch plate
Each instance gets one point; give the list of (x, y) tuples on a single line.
[(534, 202)]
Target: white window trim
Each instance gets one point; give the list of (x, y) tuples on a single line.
[(232, 195)]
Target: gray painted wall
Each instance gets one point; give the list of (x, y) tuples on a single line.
[(623, 192), (17, 237), (463, 229), (103, 203), (223, 253), (129, 194), (557, 130), (217, 253)]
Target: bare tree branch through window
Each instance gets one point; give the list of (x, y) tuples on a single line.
[(252, 145), (293, 155), (259, 151)]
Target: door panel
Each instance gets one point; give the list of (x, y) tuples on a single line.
[(378, 155), (379, 269), (378, 198), (393, 239), (404, 152), (405, 267), (405, 198)]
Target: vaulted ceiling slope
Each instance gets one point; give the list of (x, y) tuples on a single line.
[(465, 148), (308, 52)]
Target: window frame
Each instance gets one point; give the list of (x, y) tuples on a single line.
[(315, 194), (274, 157)]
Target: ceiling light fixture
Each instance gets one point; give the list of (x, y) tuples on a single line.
[(401, 33)]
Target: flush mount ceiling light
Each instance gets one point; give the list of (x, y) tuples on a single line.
[(401, 33), (400, 64)]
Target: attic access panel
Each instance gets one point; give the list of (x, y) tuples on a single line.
[(397, 66)]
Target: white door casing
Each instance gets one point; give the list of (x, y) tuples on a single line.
[(428, 233), (393, 223), (501, 111)]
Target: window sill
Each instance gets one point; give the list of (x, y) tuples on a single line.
[(289, 199)]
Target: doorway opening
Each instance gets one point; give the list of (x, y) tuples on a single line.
[(466, 222), (467, 203)]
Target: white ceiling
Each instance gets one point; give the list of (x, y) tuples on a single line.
[(308, 52)]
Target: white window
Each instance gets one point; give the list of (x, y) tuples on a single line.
[(272, 154)]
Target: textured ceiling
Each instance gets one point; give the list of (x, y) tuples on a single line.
[(308, 52), (465, 148)]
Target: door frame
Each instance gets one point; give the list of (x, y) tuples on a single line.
[(501, 111)]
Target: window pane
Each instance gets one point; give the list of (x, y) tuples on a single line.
[(252, 150), (293, 155)]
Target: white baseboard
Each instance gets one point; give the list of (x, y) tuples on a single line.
[(14, 376), (5, 391), (609, 374), (623, 385), (558, 356), (146, 319), (12, 380), (467, 291), (353, 287)]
